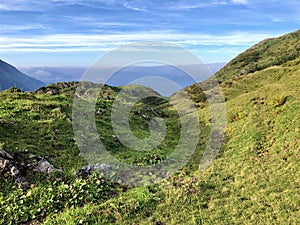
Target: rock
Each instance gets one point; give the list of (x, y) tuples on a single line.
[(99, 112), (32, 156), (9, 166), (40, 91), (115, 137), (19, 165), (3, 164), (14, 171), (85, 171), (44, 167), (145, 116), (52, 92), (4, 154)]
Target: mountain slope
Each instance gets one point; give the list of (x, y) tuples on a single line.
[(254, 180), (11, 77), (267, 53), (39, 125)]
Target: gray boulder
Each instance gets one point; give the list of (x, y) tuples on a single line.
[(17, 167)]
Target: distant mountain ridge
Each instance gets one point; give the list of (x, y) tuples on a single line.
[(50, 75), (12, 77), (127, 75)]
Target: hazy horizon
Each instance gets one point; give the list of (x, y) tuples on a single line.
[(49, 75)]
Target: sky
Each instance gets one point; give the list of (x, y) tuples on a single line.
[(78, 32)]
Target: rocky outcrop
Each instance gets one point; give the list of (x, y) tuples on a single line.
[(9, 166), (22, 164), (58, 88)]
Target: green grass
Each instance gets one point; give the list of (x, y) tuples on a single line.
[(267, 53), (41, 124), (254, 180)]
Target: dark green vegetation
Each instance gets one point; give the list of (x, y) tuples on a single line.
[(254, 180), (11, 77), (40, 123)]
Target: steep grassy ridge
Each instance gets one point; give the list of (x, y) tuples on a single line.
[(267, 53)]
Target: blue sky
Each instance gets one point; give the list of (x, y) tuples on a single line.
[(77, 32)]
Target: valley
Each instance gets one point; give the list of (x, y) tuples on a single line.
[(255, 178)]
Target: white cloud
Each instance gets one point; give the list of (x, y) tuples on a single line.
[(240, 1), (196, 4), (15, 28), (95, 42), (37, 5), (132, 7)]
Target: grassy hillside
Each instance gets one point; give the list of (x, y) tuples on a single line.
[(254, 180), (40, 124), (267, 53)]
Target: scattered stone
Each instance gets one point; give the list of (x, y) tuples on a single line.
[(52, 92), (85, 171), (148, 110), (32, 156), (115, 137), (44, 167), (19, 165), (99, 112)]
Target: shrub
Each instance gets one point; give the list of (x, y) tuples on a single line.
[(20, 206)]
